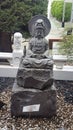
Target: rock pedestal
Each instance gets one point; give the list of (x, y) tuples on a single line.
[(34, 104), (35, 78), (34, 94)]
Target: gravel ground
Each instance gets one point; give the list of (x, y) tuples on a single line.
[(62, 121)]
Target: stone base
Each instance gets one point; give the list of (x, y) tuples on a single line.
[(33, 104), (41, 79), (17, 88)]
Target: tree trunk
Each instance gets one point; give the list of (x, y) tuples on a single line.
[(5, 42)]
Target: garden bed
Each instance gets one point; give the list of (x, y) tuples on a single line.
[(63, 119)]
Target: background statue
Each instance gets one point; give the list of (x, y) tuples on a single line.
[(17, 40)]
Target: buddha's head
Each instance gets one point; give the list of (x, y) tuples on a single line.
[(39, 28)]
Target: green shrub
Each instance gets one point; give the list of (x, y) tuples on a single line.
[(57, 10), (66, 46), (15, 14)]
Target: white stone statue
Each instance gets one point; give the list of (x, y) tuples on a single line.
[(17, 49), (17, 40)]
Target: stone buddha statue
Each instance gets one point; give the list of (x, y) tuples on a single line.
[(34, 91), (36, 66), (37, 55)]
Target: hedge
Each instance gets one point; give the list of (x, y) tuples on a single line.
[(57, 10)]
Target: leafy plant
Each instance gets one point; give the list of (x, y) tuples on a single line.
[(15, 14), (57, 10), (66, 46)]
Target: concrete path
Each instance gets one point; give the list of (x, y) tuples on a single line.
[(56, 29)]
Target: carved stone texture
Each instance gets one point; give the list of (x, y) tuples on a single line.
[(35, 78), (34, 104)]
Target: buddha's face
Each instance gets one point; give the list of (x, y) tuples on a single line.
[(39, 33), (39, 28)]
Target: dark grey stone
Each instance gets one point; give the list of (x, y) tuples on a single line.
[(34, 104), (35, 78)]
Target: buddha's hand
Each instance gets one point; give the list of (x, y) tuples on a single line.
[(44, 56), (33, 56)]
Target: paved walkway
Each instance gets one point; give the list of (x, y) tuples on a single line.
[(56, 29)]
